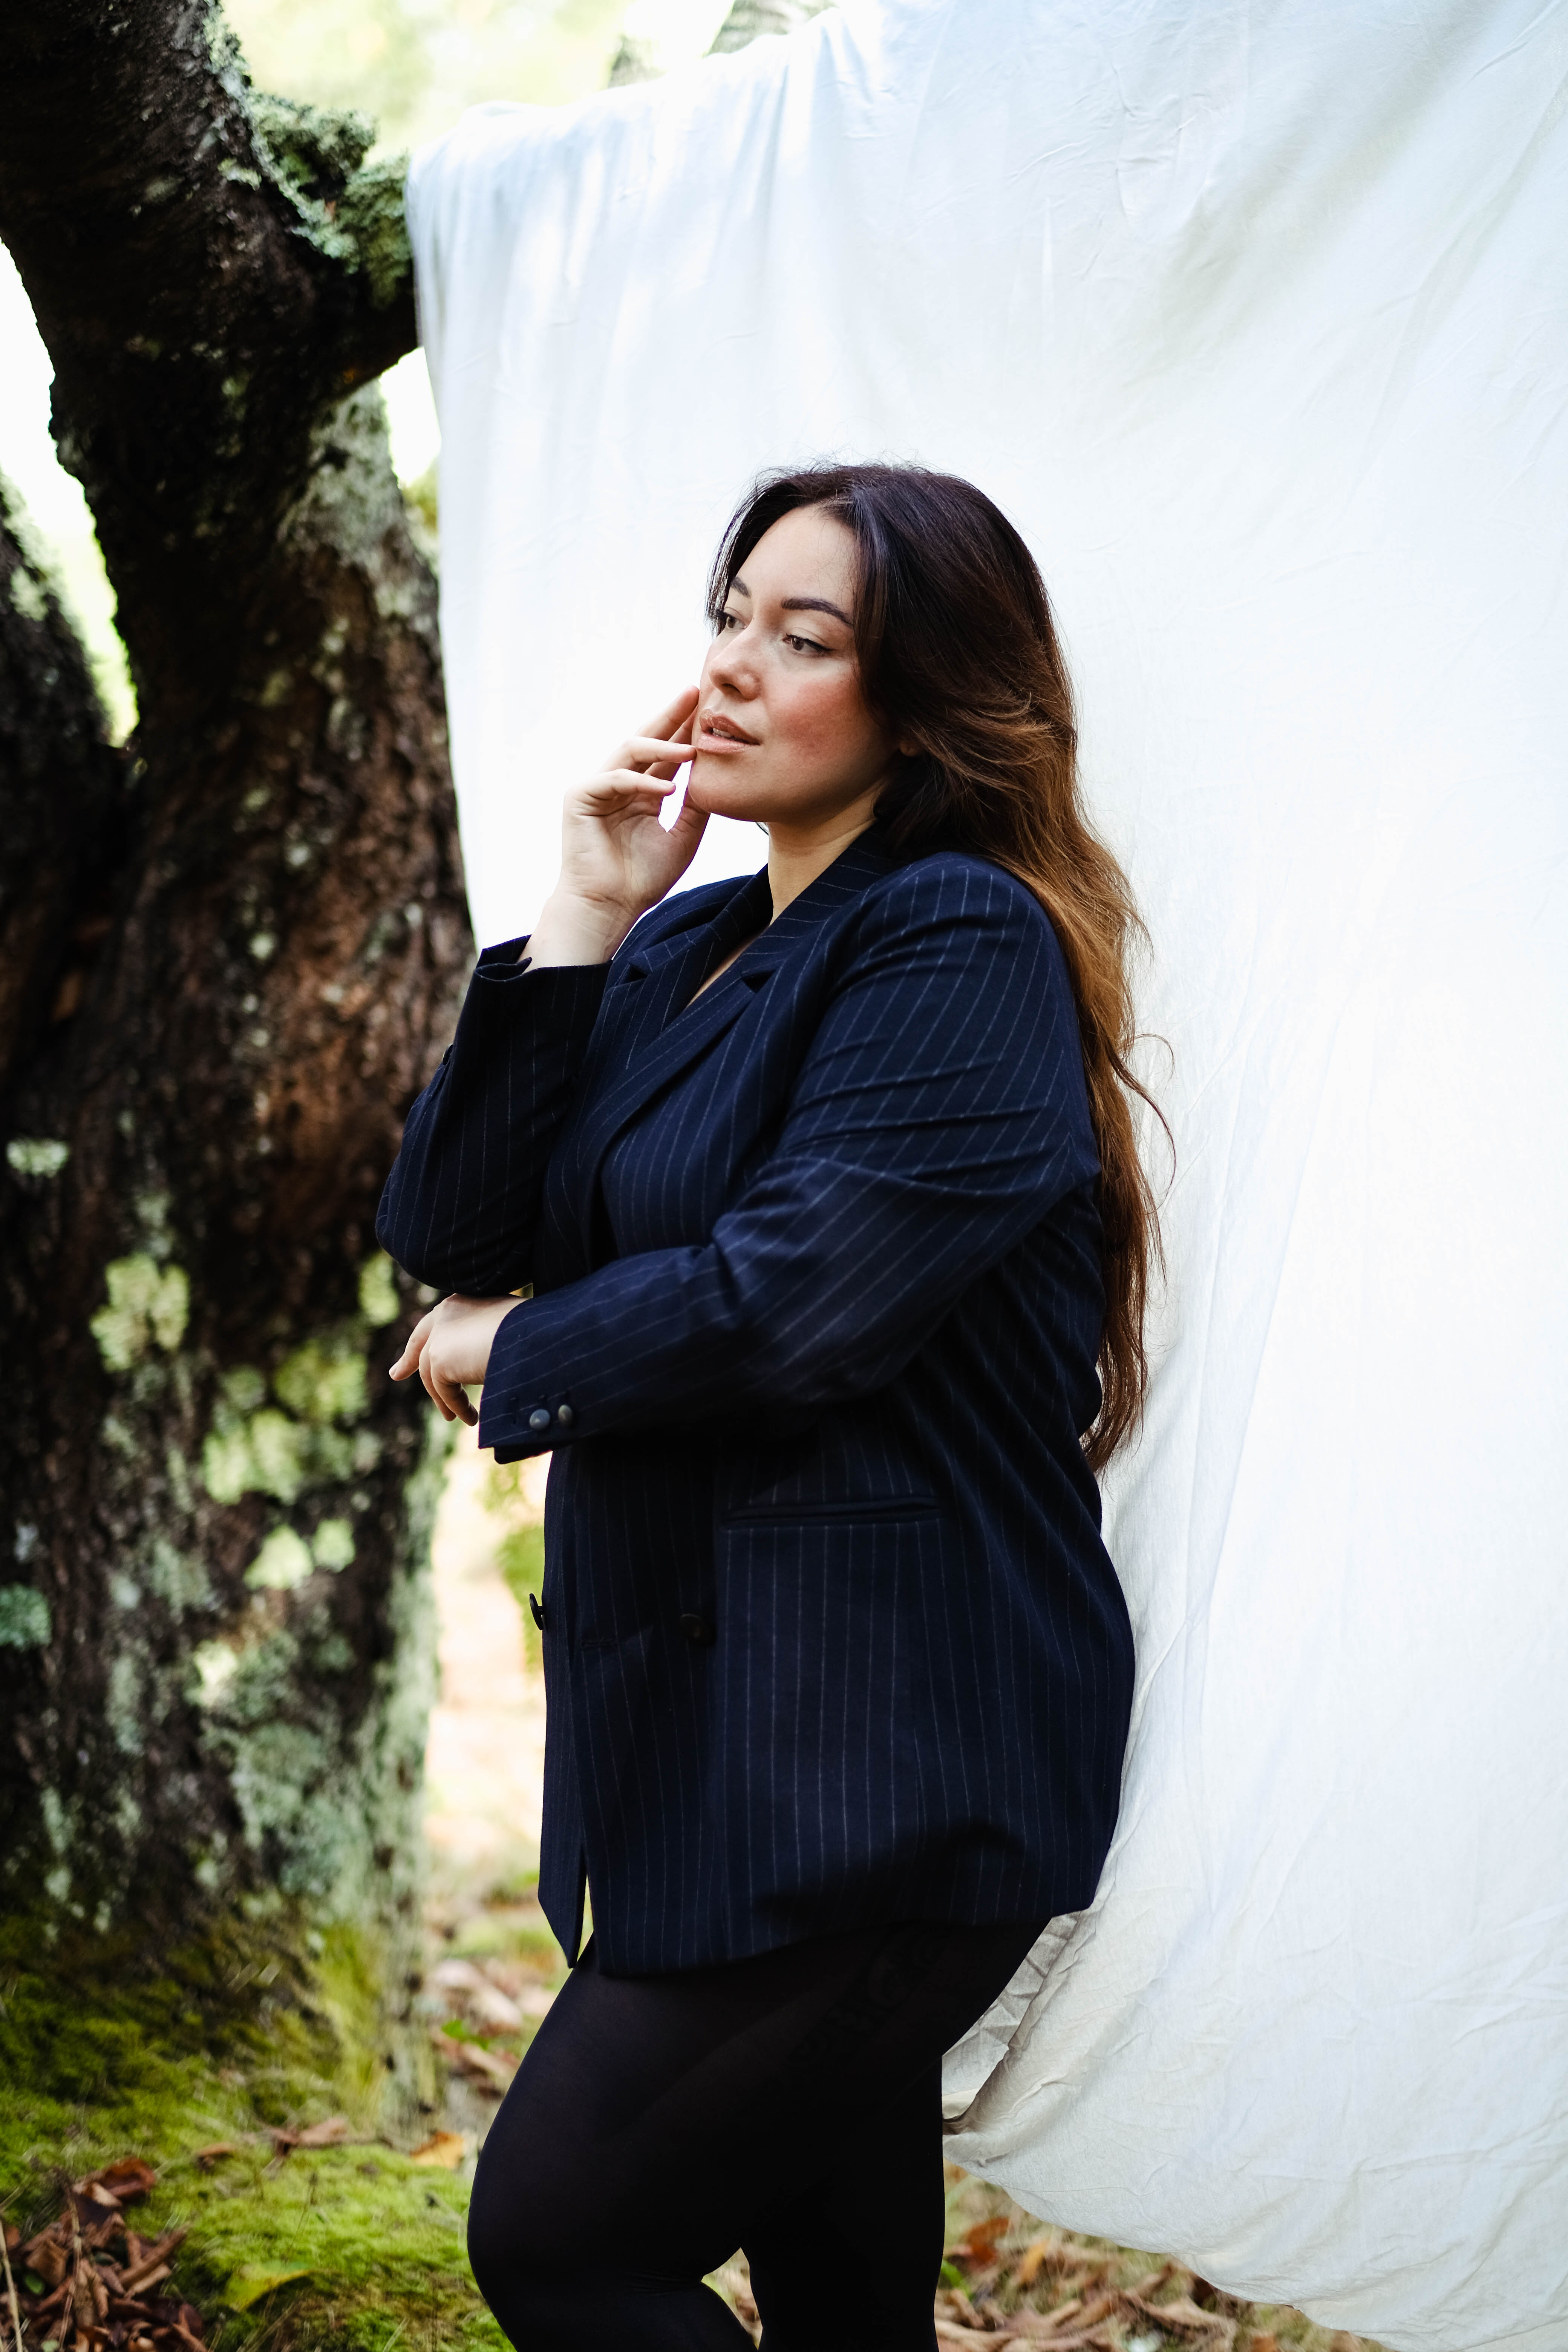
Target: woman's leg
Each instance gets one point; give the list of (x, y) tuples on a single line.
[(882, 2186), (658, 2121)]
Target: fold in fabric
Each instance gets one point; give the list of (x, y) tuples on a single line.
[(1252, 317)]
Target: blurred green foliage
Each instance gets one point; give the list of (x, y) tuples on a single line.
[(415, 65)]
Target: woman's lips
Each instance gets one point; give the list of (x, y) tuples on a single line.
[(715, 733)]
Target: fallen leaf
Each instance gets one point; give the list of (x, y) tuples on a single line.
[(129, 2178), (207, 2156), (981, 2241), (247, 2285), (445, 2148), (1182, 2317), (330, 2134), (489, 2065), (140, 2276), (1026, 2269), (495, 2010), (456, 1976), (48, 2256), (1059, 2316)]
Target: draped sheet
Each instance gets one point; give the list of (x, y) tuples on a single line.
[(1250, 313)]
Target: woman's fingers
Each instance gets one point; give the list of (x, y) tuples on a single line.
[(413, 1348), (652, 752), (624, 791), (450, 1348), (686, 831), (446, 1392), (673, 715)]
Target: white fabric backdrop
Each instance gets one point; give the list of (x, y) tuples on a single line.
[(1251, 314)]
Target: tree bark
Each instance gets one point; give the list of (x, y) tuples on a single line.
[(235, 957)]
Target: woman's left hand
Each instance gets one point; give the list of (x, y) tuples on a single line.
[(450, 1351)]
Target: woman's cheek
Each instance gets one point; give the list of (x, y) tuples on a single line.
[(824, 715)]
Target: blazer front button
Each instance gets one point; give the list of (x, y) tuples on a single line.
[(539, 1418), (699, 1631)]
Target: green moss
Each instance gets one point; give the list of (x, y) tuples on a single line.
[(144, 1305), (327, 1800), (254, 1448), (225, 2039), (324, 1380), (33, 1155), (333, 1544), (311, 147), (370, 214), (378, 1299), (24, 1618), (353, 215), (282, 1565)]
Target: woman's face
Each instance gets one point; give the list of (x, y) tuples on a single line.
[(782, 734)]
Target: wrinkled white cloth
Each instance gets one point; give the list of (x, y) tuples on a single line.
[(1251, 314)]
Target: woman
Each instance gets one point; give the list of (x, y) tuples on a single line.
[(825, 1187)]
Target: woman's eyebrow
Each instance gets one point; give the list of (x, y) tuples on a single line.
[(813, 605)]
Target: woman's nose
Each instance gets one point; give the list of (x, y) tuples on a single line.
[(731, 662)]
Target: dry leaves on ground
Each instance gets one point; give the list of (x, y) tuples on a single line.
[(89, 2282), (1048, 2291), (487, 2009), (1045, 2292)]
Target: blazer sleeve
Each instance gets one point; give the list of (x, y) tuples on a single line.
[(939, 1114), (461, 1206)]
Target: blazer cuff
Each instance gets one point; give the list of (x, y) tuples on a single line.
[(520, 1413), (509, 1001)]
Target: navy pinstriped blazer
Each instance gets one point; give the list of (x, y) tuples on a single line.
[(831, 1638)]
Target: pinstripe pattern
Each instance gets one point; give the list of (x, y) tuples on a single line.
[(815, 1261)]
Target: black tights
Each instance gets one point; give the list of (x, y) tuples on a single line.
[(789, 2104)]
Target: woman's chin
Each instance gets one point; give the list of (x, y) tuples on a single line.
[(724, 796)]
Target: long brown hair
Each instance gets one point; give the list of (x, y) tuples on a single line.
[(958, 654)]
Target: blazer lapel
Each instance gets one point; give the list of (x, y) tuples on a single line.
[(669, 1025), (661, 1030)]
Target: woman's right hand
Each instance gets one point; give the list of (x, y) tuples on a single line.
[(617, 859)]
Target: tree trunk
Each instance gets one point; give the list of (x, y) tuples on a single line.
[(235, 955)]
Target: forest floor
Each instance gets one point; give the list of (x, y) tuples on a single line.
[(188, 2164)]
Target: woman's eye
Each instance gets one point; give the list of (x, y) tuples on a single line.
[(805, 645), (728, 620)]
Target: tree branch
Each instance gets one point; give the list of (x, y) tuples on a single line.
[(210, 268)]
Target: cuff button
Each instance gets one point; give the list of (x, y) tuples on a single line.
[(564, 1415), (539, 1418)]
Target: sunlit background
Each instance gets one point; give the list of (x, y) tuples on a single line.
[(415, 65)]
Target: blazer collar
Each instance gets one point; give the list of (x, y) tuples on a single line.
[(866, 860), (671, 1025)]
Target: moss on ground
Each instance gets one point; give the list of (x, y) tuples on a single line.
[(349, 2246), (232, 2040)]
